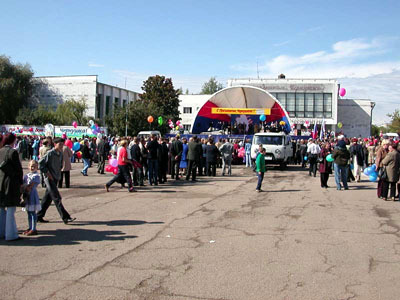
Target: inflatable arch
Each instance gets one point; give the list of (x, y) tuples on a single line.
[(239, 97)]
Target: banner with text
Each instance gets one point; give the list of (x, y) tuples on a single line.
[(240, 111)]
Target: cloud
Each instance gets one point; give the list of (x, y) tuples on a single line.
[(282, 43), (93, 65)]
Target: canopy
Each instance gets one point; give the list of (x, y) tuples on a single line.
[(239, 97)]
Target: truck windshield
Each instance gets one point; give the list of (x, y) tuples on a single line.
[(268, 140)]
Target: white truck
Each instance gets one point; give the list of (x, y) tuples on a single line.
[(278, 146)]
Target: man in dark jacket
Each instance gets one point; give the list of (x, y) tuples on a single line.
[(136, 155), (212, 155), (50, 166), (101, 148), (176, 154), (85, 157), (152, 159), (163, 160), (193, 157), (341, 156)]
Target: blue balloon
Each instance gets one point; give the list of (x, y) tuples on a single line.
[(76, 146), (373, 177), (305, 157), (93, 127), (263, 118), (367, 171)]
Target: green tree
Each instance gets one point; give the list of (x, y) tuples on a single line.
[(210, 87), (72, 110), (394, 125), (40, 115), (16, 86), (159, 91)]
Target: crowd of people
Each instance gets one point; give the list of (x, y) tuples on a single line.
[(349, 158), (156, 160)]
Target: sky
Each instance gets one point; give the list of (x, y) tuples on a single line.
[(126, 41)]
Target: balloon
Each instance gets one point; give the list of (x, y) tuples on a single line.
[(91, 122), (282, 123), (79, 155), (178, 122), (115, 171), (263, 118), (160, 121), (339, 125), (367, 171), (113, 162), (177, 127), (108, 168), (76, 146), (68, 143), (329, 158), (31, 129), (373, 177), (306, 124), (180, 126), (150, 119), (342, 92), (305, 157), (74, 124), (171, 125)]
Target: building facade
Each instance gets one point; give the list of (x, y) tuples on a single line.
[(306, 100), (100, 97)]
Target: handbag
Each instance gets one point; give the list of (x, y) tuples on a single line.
[(382, 174)]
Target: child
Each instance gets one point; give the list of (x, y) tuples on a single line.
[(260, 168), (31, 197)]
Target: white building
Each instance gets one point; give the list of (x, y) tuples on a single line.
[(100, 97), (312, 100)]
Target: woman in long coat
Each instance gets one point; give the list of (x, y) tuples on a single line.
[(392, 164), (325, 167), (11, 180)]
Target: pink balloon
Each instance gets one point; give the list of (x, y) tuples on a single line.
[(74, 124), (113, 162), (342, 92)]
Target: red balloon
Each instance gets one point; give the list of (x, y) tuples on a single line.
[(109, 168), (150, 119), (79, 154), (115, 170)]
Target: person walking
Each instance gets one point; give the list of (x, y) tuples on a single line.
[(50, 166), (226, 152), (85, 157), (391, 163), (341, 158), (11, 180), (313, 151), (260, 168), (123, 169), (380, 156), (247, 150), (66, 167)]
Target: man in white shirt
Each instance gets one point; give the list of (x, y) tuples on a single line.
[(313, 150)]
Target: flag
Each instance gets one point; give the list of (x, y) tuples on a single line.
[(315, 131), (322, 134)]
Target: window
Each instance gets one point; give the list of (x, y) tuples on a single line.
[(98, 105), (187, 110), (124, 103), (116, 100), (309, 105), (290, 104), (186, 127), (268, 140), (282, 99), (107, 105)]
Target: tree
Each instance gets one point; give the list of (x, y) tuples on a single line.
[(210, 87), (376, 130), (159, 91), (41, 115), (16, 86), (394, 125)]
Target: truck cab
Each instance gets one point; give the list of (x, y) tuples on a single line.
[(278, 146)]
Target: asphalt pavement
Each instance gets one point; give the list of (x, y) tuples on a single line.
[(213, 239)]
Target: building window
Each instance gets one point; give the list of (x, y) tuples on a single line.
[(187, 110), (290, 104), (124, 103), (107, 105), (186, 127), (309, 105), (282, 99), (98, 105), (116, 101), (300, 105)]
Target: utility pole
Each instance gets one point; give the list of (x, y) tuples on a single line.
[(126, 112)]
